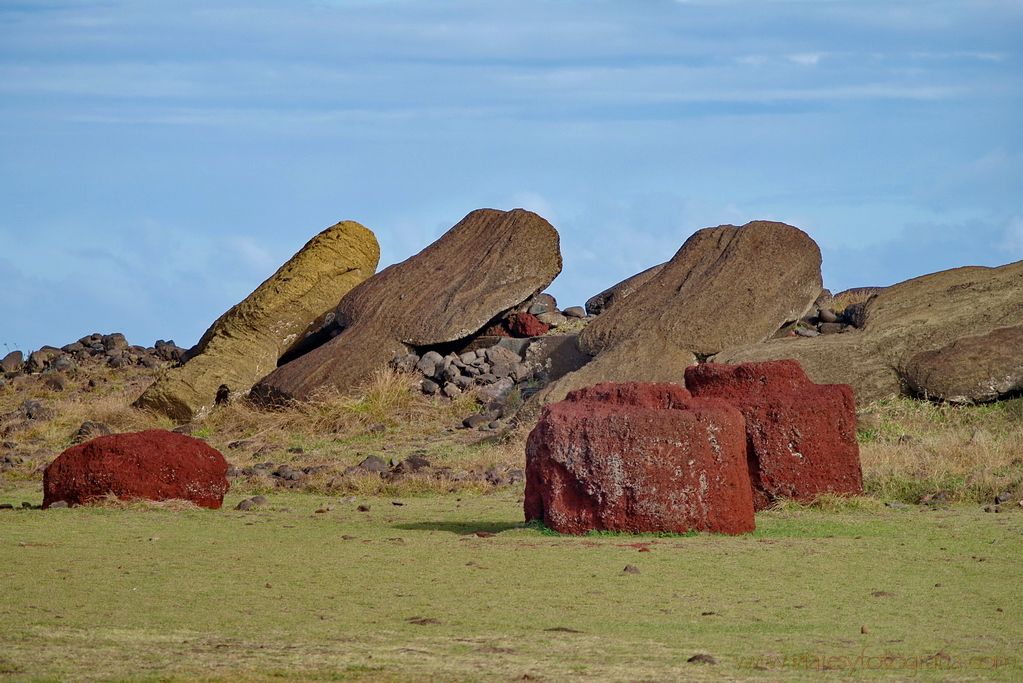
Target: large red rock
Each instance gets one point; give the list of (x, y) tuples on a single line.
[(801, 436), (638, 457), (151, 465)]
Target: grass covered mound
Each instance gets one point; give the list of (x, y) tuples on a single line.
[(457, 588)]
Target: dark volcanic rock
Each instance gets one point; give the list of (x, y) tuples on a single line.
[(801, 436), (488, 263), (151, 465), (639, 457)]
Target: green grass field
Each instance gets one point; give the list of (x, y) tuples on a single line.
[(412, 592)]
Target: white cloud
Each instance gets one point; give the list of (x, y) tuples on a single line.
[(806, 58)]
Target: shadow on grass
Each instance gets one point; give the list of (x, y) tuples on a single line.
[(460, 528)]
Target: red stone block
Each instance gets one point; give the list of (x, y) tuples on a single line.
[(801, 436), (151, 465), (638, 457)]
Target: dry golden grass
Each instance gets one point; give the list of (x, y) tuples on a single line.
[(912, 448), (909, 448)]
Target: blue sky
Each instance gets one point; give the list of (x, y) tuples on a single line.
[(158, 160)]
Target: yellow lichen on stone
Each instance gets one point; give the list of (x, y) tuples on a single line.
[(244, 344)]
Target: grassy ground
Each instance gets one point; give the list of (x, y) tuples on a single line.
[(414, 592)]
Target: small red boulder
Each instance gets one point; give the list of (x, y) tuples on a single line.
[(638, 457), (526, 325), (152, 465), (801, 436)]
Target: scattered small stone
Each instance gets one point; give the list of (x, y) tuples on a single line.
[(372, 463), (246, 504), (259, 500), (475, 421), (826, 315), (90, 430), (363, 508), (378, 428), (896, 505), (631, 569), (702, 659), (323, 510), (55, 383), (57, 504), (1003, 497), (864, 630), (423, 621)]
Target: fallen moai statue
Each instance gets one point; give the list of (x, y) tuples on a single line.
[(247, 341), (726, 286), (488, 263), (884, 356)]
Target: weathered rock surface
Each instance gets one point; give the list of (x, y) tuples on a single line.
[(901, 321), (856, 295), (13, 362), (639, 457), (149, 465), (972, 369), (800, 436), (599, 303), (245, 343), (554, 356), (488, 263), (725, 287)]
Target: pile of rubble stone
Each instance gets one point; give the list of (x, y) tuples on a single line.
[(112, 350)]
